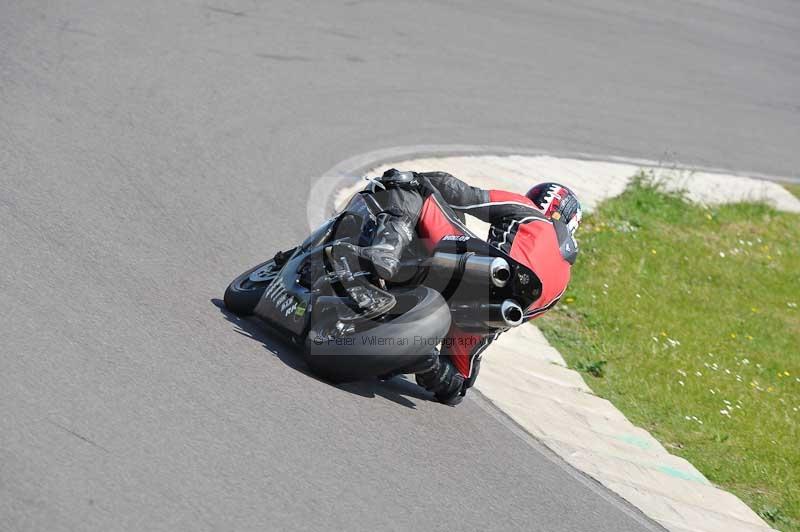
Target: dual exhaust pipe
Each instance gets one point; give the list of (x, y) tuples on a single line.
[(476, 270)]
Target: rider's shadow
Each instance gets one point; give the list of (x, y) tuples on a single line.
[(398, 390)]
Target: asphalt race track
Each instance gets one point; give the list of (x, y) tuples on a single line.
[(150, 151)]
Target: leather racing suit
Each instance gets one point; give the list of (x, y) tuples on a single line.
[(432, 209)]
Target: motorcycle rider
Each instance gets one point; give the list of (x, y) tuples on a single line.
[(536, 229)]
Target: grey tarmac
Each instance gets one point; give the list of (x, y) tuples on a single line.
[(151, 151)]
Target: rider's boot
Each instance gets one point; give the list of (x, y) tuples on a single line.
[(444, 380), (367, 300)]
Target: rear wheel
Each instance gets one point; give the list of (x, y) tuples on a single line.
[(403, 337), (243, 294)]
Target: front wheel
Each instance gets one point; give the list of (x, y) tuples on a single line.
[(243, 294)]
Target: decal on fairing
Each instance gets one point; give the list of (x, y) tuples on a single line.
[(280, 298)]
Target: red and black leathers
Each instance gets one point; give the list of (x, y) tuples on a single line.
[(518, 228)]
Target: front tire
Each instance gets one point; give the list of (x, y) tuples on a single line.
[(244, 293)]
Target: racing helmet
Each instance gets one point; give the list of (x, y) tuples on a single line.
[(557, 202)]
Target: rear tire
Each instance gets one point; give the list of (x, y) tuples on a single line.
[(243, 294), (379, 349)]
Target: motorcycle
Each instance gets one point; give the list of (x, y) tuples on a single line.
[(353, 325)]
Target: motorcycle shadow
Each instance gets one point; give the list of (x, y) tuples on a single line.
[(398, 390)]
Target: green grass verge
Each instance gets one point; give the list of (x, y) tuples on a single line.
[(688, 320), (794, 189)]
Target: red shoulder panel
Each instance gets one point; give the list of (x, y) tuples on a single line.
[(433, 225)]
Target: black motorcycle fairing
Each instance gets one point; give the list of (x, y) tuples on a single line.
[(285, 302)]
